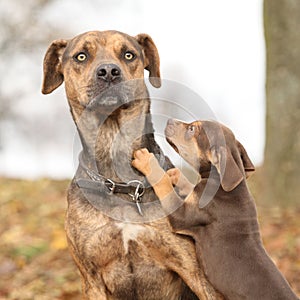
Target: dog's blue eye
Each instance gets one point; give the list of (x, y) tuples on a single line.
[(129, 55), (81, 57)]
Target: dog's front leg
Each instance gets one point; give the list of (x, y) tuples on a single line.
[(195, 279), (90, 289)]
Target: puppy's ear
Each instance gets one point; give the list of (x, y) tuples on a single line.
[(151, 58), (230, 173), (248, 165), (53, 76)]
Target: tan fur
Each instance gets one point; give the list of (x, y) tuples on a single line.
[(180, 181)]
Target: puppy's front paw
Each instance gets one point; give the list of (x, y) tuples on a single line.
[(174, 175), (141, 161), (184, 187)]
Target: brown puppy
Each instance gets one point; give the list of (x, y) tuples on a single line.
[(226, 230), (117, 232)]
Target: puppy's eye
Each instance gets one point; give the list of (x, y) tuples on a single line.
[(81, 57), (129, 55), (191, 129)]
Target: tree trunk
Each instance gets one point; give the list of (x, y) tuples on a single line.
[(282, 150)]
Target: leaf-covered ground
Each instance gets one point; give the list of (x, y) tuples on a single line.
[(34, 260)]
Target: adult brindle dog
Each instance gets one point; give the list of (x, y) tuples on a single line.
[(116, 230)]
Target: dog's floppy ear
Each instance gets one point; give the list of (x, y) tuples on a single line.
[(230, 173), (53, 76), (248, 165), (151, 58)]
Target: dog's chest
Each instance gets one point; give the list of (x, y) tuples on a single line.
[(129, 258), (131, 232), (121, 242)]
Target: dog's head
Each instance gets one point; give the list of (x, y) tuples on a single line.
[(98, 68), (207, 143)]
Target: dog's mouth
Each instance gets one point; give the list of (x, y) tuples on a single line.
[(110, 98), (101, 101), (172, 145), (113, 96)]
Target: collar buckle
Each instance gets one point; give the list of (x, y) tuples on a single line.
[(112, 187), (138, 193)]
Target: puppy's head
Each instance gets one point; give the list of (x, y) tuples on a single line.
[(94, 66), (207, 144)]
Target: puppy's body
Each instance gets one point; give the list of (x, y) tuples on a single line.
[(120, 253), (226, 231), (229, 245)]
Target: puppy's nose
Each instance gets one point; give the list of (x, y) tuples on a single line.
[(171, 122), (108, 72), (174, 122)]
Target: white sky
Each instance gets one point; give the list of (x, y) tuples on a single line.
[(215, 48)]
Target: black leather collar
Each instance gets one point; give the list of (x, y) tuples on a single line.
[(99, 184)]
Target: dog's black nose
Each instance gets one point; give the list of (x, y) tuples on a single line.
[(109, 72)]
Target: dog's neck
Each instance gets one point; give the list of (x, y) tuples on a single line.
[(109, 140)]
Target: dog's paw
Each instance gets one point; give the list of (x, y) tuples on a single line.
[(174, 175), (141, 161)]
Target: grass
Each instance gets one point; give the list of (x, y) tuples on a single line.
[(34, 259)]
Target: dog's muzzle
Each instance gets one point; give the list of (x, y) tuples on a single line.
[(113, 97), (112, 90)]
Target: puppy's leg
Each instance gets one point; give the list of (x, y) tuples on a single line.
[(182, 184), (183, 214), (146, 163)]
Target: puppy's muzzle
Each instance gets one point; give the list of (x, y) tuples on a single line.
[(172, 127), (170, 132)]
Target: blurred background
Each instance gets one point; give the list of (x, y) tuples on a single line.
[(237, 59), (213, 48)]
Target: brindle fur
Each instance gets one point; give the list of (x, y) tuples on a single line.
[(117, 258)]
